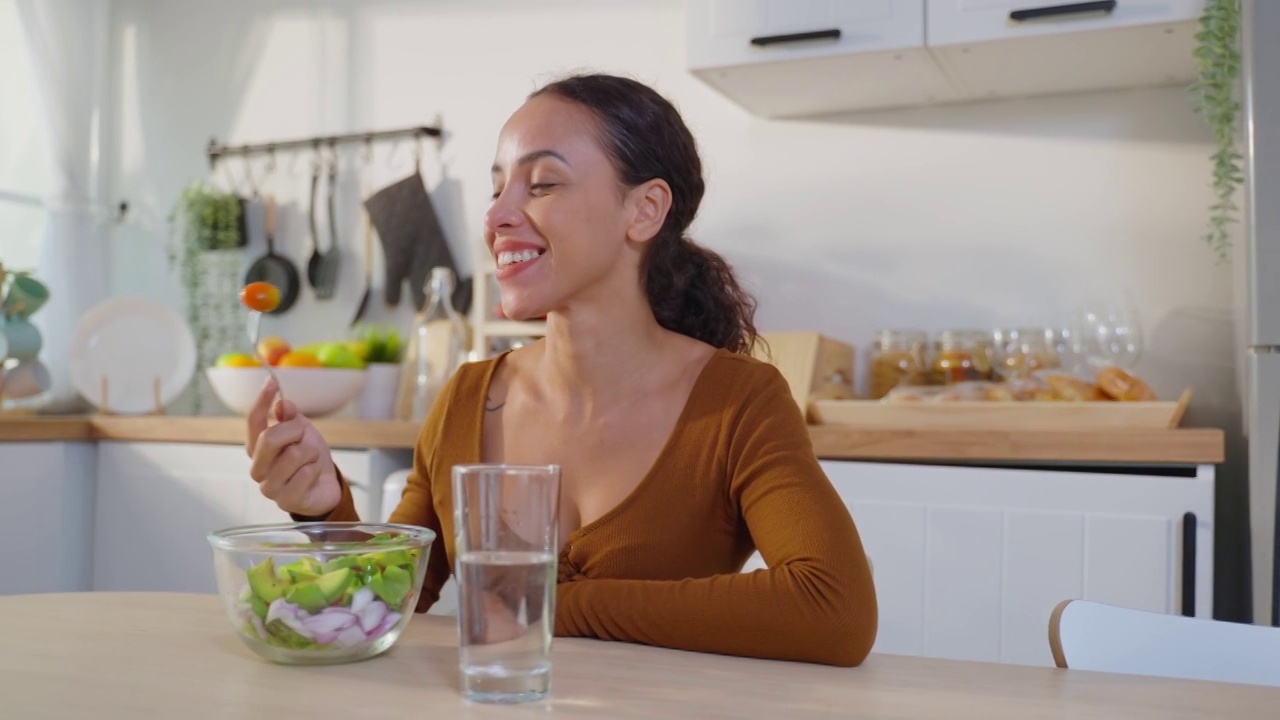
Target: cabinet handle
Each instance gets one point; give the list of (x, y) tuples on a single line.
[(1105, 6), (1189, 564), (763, 40)]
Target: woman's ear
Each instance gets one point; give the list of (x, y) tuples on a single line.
[(649, 203)]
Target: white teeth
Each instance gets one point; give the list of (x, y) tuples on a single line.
[(511, 258)]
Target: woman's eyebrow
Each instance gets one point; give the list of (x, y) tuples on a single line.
[(535, 155)]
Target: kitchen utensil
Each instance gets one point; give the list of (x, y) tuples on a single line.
[(143, 349), (255, 332), (322, 267), (368, 270), (273, 268), (412, 241), (320, 593)]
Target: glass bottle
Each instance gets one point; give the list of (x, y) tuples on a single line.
[(437, 346)]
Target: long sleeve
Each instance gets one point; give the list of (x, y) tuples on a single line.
[(816, 600), (416, 506)]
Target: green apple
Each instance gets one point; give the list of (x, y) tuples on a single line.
[(337, 355)]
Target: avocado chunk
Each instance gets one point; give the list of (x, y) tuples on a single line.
[(264, 582), (259, 607), (338, 563), (333, 584), (286, 636), (391, 585), (306, 595), (307, 568)]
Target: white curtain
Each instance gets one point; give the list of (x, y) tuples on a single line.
[(68, 44)]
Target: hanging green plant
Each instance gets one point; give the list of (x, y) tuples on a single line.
[(206, 227), (1217, 57)]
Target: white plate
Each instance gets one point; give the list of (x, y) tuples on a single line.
[(132, 341)]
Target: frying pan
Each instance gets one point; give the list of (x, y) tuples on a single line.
[(273, 268)]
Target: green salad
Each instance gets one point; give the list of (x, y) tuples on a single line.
[(340, 603)]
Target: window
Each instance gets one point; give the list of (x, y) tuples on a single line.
[(24, 169)]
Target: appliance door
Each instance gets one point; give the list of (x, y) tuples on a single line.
[(1264, 448), (1261, 80)]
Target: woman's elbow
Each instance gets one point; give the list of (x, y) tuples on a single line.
[(846, 640)]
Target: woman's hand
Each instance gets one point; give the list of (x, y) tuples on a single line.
[(291, 461)]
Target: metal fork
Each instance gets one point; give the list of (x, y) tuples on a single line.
[(255, 330)]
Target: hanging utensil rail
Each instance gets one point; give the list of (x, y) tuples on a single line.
[(217, 151)]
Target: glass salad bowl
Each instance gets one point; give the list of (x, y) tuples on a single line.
[(320, 593)]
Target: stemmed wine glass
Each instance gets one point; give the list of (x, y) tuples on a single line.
[(1107, 334)]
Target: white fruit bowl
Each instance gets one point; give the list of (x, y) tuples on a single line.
[(316, 391)]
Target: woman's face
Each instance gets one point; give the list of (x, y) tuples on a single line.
[(559, 223)]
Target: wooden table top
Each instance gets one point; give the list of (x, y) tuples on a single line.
[(1182, 446), (127, 655)]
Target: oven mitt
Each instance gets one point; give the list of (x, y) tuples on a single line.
[(412, 242)]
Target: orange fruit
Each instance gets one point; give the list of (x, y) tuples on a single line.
[(298, 358), (261, 296), (272, 349), (237, 360)]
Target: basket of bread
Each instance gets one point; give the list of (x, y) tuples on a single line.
[(1111, 397)]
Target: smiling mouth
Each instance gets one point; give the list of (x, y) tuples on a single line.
[(507, 259)]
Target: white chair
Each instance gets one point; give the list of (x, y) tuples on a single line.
[(1086, 635)]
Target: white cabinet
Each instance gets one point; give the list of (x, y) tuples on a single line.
[(973, 21), (782, 58), (156, 502), (1064, 47), (970, 561), (46, 517), (740, 32), (796, 58)]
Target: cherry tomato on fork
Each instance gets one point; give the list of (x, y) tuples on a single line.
[(261, 296)]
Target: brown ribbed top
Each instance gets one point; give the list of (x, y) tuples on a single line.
[(663, 567)]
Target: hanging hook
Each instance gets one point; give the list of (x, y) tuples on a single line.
[(391, 154), (271, 159), (248, 173), (417, 151), (368, 150)]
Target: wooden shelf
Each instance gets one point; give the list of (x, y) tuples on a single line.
[(832, 442)]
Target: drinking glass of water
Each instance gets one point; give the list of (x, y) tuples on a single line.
[(507, 522)]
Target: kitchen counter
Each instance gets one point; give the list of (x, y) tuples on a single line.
[(1184, 446)]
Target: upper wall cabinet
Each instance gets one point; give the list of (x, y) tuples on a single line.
[(1000, 48), (795, 58), (782, 58)]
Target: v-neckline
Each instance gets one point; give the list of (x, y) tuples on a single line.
[(646, 480)]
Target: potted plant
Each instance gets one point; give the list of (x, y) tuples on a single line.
[(207, 227), (1217, 57), (383, 353)]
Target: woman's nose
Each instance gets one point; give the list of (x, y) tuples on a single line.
[(503, 213)]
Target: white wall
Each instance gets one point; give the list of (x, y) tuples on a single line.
[(995, 213), (1005, 212)]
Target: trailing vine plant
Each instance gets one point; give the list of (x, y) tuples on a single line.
[(1217, 57), (206, 228)]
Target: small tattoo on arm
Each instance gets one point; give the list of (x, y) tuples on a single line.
[(490, 407)]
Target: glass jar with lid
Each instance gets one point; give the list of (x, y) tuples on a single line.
[(1027, 350), (897, 358), (962, 356)]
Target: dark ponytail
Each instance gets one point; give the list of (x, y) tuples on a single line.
[(691, 289)]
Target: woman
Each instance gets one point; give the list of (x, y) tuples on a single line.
[(680, 454)]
